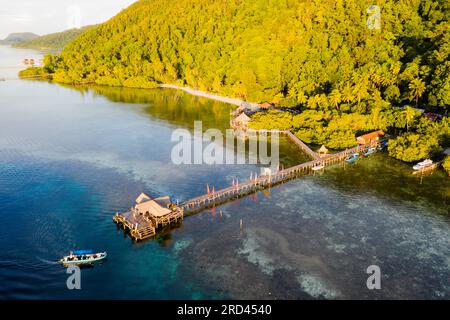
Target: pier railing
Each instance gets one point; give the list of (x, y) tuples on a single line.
[(259, 183)]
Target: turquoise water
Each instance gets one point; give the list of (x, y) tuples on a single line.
[(72, 157)]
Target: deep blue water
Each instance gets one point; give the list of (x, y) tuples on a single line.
[(72, 157)]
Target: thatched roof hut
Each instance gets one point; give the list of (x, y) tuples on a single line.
[(242, 119), (323, 150), (157, 207)]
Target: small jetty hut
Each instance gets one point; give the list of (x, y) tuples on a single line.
[(143, 220), (323, 151), (240, 122), (237, 111), (369, 138)]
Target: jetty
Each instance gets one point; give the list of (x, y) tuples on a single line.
[(239, 190), (302, 145), (148, 215)]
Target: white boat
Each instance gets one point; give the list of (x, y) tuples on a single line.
[(82, 257), (423, 164), (318, 167)]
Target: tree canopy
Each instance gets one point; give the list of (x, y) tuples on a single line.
[(318, 53), (345, 65)]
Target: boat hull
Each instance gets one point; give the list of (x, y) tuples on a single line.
[(83, 262), (370, 151), (352, 158)]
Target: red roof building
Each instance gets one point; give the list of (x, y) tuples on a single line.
[(370, 137)]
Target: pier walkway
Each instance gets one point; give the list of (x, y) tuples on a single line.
[(143, 223), (218, 197), (301, 145)]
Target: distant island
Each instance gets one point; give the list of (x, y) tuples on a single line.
[(53, 41), (19, 37)]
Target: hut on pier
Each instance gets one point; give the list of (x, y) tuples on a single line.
[(160, 210), (148, 215), (370, 138), (240, 122), (323, 151)]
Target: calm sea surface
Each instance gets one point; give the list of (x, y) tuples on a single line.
[(72, 157)]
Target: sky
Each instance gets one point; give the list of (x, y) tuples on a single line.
[(48, 16)]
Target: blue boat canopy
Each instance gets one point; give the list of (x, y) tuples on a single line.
[(81, 252)]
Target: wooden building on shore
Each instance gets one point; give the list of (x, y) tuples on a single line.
[(370, 138)]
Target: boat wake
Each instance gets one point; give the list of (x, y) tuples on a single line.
[(49, 262)]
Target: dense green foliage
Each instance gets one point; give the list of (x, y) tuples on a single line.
[(412, 147), (318, 53), (318, 57), (33, 72), (447, 164), (53, 41)]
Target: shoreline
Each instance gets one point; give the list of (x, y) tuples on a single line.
[(199, 93), (195, 92), (204, 94)]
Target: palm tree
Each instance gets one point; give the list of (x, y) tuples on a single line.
[(360, 91), (347, 94), (417, 88), (335, 98), (302, 98), (410, 115)]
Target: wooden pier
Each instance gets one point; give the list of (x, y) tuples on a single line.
[(148, 215), (236, 191), (302, 145)]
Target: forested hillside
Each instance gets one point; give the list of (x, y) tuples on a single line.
[(53, 41), (323, 57)]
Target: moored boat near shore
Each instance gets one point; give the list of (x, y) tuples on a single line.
[(352, 158), (423, 164), (370, 151)]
